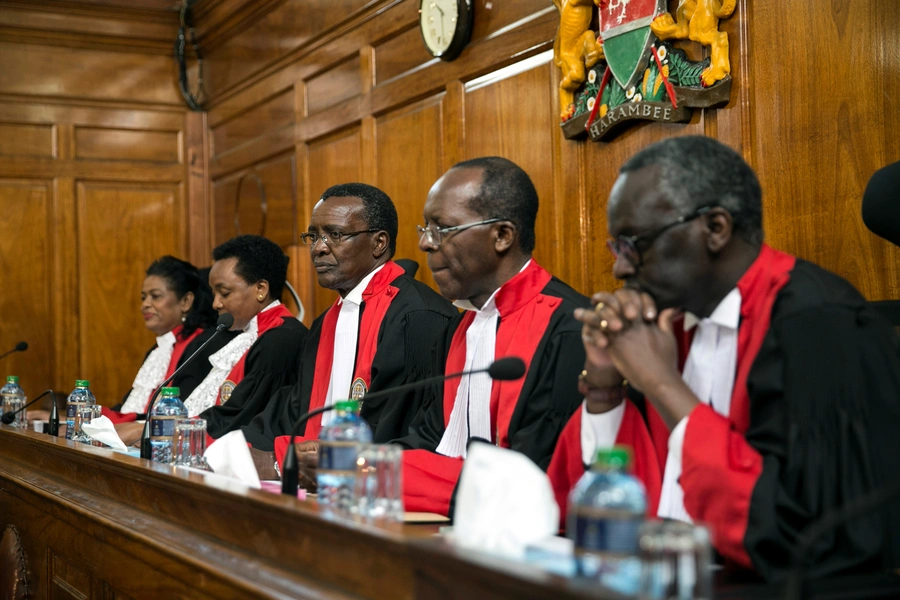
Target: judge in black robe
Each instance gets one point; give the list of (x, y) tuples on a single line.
[(406, 335), (814, 412)]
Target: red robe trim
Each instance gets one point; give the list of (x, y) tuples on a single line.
[(181, 342), (430, 478), (567, 465), (377, 296), (719, 467), (265, 321)]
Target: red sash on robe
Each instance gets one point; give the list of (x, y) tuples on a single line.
[(567, 465), (181, 342), (266, 320), (719, 467), (377, 296), (429, 478)]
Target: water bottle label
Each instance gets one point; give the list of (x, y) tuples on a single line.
[(615, 532), (338, 456), (162, 427), (72, 408)]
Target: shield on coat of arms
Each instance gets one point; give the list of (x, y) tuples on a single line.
[(625, 29)]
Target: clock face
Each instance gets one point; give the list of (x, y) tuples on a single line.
[(446, 26)]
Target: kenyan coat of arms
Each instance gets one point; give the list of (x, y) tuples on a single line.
[(619, 65)]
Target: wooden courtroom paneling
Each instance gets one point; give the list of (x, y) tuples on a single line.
[(814, 93), (332, 160), (111, 327), (27, 139), (93, 143), (271, 113), (90, 110), (26, 265), (405, 176)]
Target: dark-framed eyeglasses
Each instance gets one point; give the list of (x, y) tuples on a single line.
[(632, 247), (331, 238), (434, 235)]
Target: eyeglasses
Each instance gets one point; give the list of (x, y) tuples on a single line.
[(332, 238), (630, 246), (434, 235)]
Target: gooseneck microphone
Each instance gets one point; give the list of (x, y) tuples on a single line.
[(225, 321), (20, 347), (509, 368), (10, 416)]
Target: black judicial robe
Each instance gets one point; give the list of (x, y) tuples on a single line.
[(271, 363), (194, 373), (537, 324), (815, 426), (406, 335)]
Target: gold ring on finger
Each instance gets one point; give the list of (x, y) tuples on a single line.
[(599, 307), (604, 324)]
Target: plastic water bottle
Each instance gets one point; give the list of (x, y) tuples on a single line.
[(13, 399), (80, 396), (339, 445), (168, 409), (606, 510)]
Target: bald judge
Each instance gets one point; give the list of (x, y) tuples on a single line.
[(479, 236)]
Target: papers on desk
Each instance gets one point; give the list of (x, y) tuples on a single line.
[(230, 456), (424, 517)]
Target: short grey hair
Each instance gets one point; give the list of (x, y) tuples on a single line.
[(697, 171)]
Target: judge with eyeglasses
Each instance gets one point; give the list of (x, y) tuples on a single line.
[(377, 335)]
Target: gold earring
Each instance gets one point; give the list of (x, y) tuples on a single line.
[(260, 298)]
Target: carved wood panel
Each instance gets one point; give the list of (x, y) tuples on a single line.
[(26, 265), (121, 229)]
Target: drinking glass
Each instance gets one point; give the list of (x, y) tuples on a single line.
[(379, 487)]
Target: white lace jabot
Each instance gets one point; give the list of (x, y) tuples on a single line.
[(150, 375)]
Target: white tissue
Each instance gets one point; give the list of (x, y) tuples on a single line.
[(504, 503), (230, 456), (103, 430)]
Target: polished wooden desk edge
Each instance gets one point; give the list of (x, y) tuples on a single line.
[(276, 535)]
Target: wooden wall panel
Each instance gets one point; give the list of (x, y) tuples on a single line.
[(110, 273), (406, 177), (271, 113), (510, 115), (88, 74), (27, 139), (335, 159), (26, 263), (292, 24), (815, 150), (94, 143), (400, 54), (335, 85)]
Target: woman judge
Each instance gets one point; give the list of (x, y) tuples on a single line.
[(176, 304), (247, 279)]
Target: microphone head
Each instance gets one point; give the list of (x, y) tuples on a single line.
[(880, 210), (8, 418), (507, 369), (225, 321), (22, 346)]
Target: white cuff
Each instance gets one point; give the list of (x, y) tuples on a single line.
[(599, 431)]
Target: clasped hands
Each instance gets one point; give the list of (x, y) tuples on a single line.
[(626, 329)]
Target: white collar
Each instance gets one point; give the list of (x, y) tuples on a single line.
[(355, 295), (166, 340), (489, 305), (726, 314), (254, 321)]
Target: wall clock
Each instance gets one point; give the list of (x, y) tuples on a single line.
[(446, 26)]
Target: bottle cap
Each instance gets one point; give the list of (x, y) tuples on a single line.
[(617, 457), (82, 383), (170, 391), (347, 405), (12, 379)]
